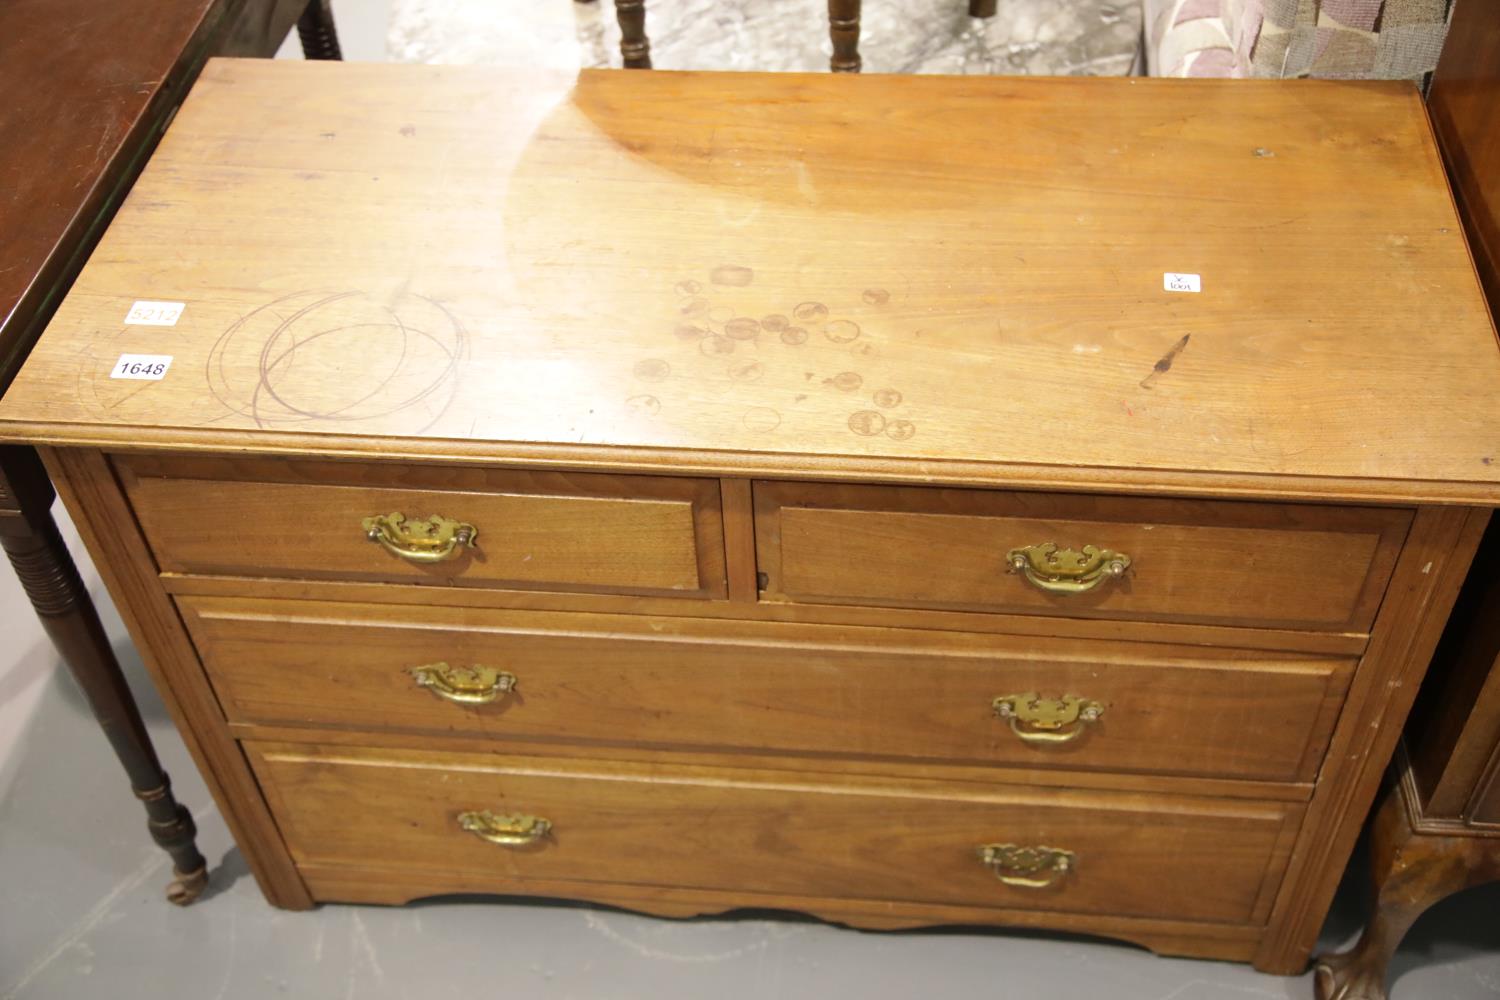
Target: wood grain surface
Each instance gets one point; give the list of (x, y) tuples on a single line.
[(86, 483), (609, 534), (1453, 736), (1309, 567), (1329, 643), (1465, 107), (1423, 587), (948, 279), (93, 82), (631, 681), (1225, 942), (718, 828), (807, 767)]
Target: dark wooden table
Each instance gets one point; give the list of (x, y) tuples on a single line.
[(93, 83)]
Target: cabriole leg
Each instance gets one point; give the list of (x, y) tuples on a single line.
[(1410, 871)]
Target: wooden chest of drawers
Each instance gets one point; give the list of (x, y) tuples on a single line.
[(693, 492)]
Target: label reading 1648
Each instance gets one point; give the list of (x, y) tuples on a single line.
[(142, 366)]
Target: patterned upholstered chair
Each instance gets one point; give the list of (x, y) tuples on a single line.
[(1339, 39)]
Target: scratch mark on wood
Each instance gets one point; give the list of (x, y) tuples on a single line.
[(128, 395), (1165, 364)]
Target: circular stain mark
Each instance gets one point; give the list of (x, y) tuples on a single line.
[(866, 423), (794, 335), (845, 381), (742, 328), (876, 296), (887, 398), (761, 419), (774, 322), (270, 365), (810, 312), (652, 370), (689, 287), (720, 314), (900, 430), (694, 307), (687, 331), (732, 275), (746, 371), (842, 331), (649, 405), (715, 344)]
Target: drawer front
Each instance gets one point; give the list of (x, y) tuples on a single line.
[(534, 530), (712, 828), (1209, 562), (823, 690)]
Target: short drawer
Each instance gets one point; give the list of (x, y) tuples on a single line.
[(1208, 562), (762, 834), (530, 530), (749, 686)]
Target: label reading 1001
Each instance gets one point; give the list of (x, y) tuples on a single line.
[(142, 366)]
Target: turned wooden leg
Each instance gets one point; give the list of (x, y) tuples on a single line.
[(315, 29), (36, 550), (634, 45), (982, 8), (843, 28), (1411, 871)]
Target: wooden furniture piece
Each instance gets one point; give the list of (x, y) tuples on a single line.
[(317, 32), (86, 112), (1438, 828), (843, 31), (690, 491)]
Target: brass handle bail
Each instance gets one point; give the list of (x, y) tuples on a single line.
[(1039, 719), (507, 831), (1066, 571), (476, 685), (1028, 867), (430, 541)]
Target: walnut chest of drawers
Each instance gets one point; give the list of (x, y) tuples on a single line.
[(903, 500)]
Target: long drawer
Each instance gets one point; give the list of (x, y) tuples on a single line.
[(495, 528), (498, 821), (675, 683), (1214, 562)]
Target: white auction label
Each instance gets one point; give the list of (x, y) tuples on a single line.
[(1174, 282), (148, 313), (151, 367)]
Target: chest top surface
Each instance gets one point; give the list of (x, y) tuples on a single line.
[(957, 279)]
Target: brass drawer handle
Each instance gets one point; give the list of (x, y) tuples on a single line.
[(474, 685), (507, 831), (1036, 719), (429, 541), (1028, 867), (1066, 571)]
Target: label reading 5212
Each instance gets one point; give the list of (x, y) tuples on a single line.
[(142, 366), (145, 312)]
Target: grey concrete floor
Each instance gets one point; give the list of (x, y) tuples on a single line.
[(82, 913)]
